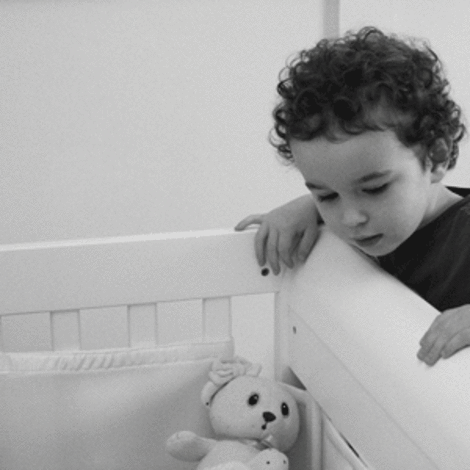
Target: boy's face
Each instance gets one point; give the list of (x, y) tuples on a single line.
[(370, 189)]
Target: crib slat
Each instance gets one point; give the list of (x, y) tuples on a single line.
[(103, 328), (179, 321), (142, 326), (216, 318), (65, 330), (26, 332)]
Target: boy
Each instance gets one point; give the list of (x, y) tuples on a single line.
[(368, 122)]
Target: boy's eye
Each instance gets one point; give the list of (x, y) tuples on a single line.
[(326, 197), (377, 189)]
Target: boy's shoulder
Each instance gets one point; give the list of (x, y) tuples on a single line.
[(435, 260), (459, 213), (464, 192), (451, 225)]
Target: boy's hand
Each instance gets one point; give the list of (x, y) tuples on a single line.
[(287, 233), (449, 333)]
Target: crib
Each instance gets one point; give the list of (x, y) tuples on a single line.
[(106, 344)]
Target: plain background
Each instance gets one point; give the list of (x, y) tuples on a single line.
[(121, 117)]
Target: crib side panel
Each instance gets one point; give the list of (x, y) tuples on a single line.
[(126, 291), (351, 334)]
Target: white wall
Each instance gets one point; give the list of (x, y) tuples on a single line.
[(132, 116), (445, 24)]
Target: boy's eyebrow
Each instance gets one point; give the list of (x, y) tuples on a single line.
[(363, 179), (373, 176)]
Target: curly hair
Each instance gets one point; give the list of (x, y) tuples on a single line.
[(338, 84)]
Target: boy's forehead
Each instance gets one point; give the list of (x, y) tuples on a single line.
[(352, 159), (343, 144)]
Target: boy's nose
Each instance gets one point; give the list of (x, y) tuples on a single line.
[(353, 216)]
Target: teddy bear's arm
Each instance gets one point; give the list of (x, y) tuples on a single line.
[(188, 446)]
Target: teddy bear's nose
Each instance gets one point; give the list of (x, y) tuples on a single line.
[(268, 416)]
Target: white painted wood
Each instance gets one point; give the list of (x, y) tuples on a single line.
[(216, 318), (142, 325), (180, 322), (253, 329), (104, 328), (307, 450), (26, 332), (129, 270), (348, 402), (282, 325), (65, 330), (337, 455), (358, 333)]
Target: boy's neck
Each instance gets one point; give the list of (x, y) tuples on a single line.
[(444, 198)]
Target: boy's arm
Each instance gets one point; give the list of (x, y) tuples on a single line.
[(448, 333), (287, 233)]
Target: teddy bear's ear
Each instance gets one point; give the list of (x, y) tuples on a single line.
[(208, 391), (223, 371), (253, 370)]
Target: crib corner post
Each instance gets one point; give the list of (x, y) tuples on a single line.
[(282, 371)]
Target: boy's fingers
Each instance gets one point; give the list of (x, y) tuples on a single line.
[(250, 220), (307, 242), (286, 246), (459, 341), (304, 246), (260, 244), (431, 356), (272, 254), (432, 333), (429, 345)]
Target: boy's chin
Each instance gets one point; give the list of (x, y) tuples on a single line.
[(380, 249)]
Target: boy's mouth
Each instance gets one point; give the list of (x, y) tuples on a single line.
[(366, 242)]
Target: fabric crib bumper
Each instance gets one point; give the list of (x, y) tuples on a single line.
[(110, 409)]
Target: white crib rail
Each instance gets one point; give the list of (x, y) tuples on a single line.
[(352, 337), (62, 295)]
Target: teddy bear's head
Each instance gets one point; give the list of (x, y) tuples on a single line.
[(254, 408)]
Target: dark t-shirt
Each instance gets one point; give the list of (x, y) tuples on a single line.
[(435, 260)]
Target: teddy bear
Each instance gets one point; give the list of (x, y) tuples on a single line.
[(269, 459), (255, 420)]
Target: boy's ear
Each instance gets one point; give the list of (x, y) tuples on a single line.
[(438, 157), (438, 171)]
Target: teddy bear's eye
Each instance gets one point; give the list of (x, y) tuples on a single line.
[(253, 399), (285, 409)]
